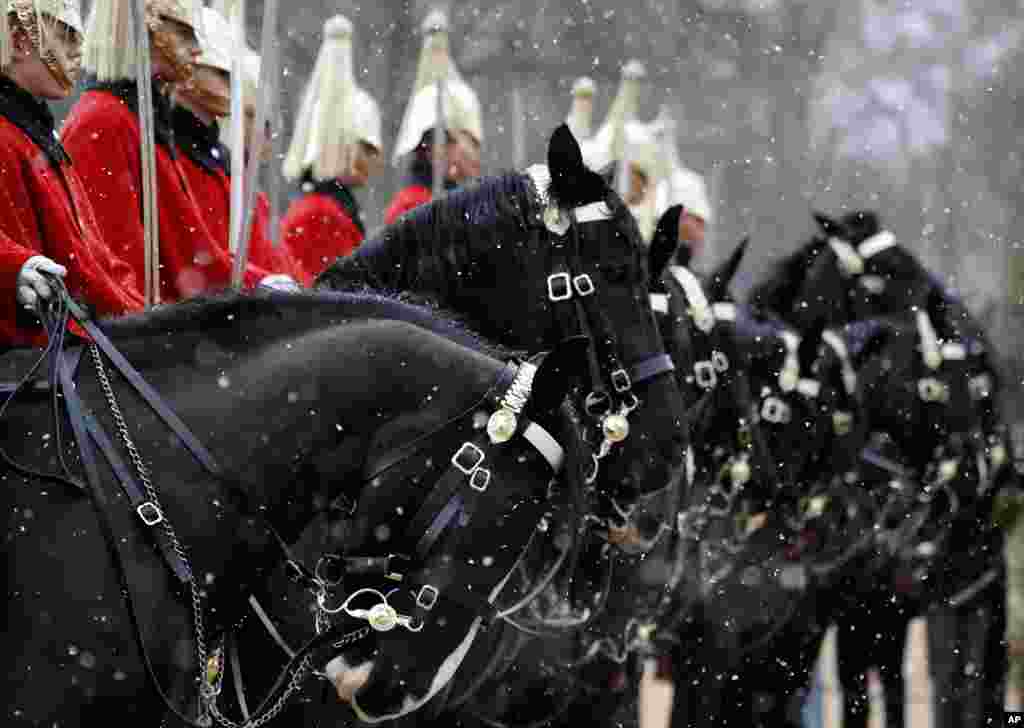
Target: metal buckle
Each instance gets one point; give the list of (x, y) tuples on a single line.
[(559, 287), (705, 374), (470, 450), (719, 361), (620, 381), (597, 404), (776, 411), (398, 566), (932, 390), (980, 386), (154, 515), (583, 284), (330, 569), (479, 479), (427, 597)]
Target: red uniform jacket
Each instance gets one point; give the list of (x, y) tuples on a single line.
[(44, 210), (406, 199), (206, 165), (102, 136), (323, 224)]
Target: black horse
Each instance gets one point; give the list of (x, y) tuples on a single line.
[(767, 528), (302, 400), (528, 259), (927, 409), (853, 271)]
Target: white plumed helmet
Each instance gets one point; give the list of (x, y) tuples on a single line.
[(29, 13), (580, 118), (608, 144), (109, 49), (335, 114), (461, 106), (217, 41)]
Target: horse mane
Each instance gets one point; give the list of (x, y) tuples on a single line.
[(410, 254), (867, 337), (211, 312), (778, 291)]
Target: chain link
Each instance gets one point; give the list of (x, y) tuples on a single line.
[(143, 472), (272, 712)]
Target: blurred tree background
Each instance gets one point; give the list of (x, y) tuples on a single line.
[(909, 107)]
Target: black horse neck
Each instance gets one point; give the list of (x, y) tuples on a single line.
[(290, 393)]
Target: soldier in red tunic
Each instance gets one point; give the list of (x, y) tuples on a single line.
[(336, 147), (462, 121), (102, 134), (205, 161), (46, 222)]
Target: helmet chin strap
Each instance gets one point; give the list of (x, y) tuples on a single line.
[(182, 71)]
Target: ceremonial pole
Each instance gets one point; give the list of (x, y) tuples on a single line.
[(519, 124), (440, 138), (268, 46), (440, 127), (277, 139), (237, 19), (147, 151)]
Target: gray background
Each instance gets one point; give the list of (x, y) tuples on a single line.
[(784, 105)]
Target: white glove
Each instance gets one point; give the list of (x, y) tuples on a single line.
[(280, 282), (31, 285)]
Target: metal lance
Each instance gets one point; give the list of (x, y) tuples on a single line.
[(147, 151), (519, 121), (272, 57), (440, 138), (237, 18), (268, 46)]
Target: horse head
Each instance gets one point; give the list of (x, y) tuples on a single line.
[(528, 259)]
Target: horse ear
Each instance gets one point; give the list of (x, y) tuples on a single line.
[(557, 371), (828, 226), (721, 278), (565, 158), (810, 345), (664, 243)]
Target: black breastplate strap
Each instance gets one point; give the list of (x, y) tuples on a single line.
[(150, 395), (651, 367), (89, 433)]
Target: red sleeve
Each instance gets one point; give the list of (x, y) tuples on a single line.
[(408, 198), (317, 231), (39, 215), (262, 251), (102, 137), (107, 280), (19, 240), (12, 257)]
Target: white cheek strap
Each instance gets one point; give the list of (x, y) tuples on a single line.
[(833, 340), (853, 259), (700, 310)]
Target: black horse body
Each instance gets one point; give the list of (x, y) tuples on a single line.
[(492, 253), (767, 529), (853, 272), (301, 399)]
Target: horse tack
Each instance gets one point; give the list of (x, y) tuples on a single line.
[(467, 476), (583, 316)]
